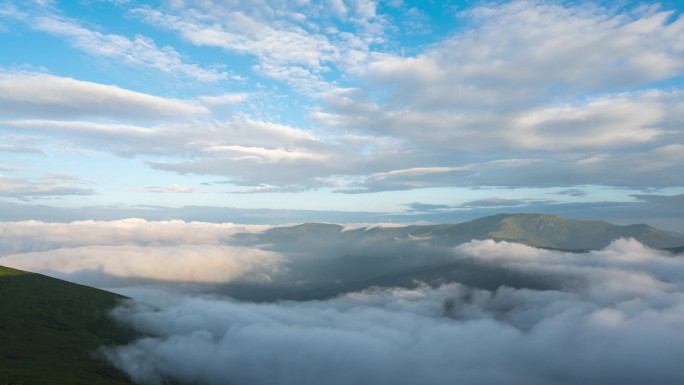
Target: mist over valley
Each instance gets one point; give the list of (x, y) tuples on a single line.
[(501, 299)]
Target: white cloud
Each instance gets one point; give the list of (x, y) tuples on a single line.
[(418, 171), (526, 76), (600, 123), (338, 7), (585, 45), (47, 186), (180, 263), (27, 236), (140, 50), (288, 55), (173, 189), (36, 95), (113, 252), (419, 177), (622, 270), (288, 45), (121, 139), (565, 90), (176, 139), (20, 148), (612, 122), (260, 154), (224, 99)]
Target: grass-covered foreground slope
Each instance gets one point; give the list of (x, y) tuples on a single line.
[(50, 330)]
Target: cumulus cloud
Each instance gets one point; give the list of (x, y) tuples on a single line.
[(527, 46), (287, 44), (527, 93), (140, 50), (616, 318), (518, 81)]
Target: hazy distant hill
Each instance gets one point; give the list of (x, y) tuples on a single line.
[(539, 230), (324, 260), (49, 330)]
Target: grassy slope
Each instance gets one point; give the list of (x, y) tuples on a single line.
[(50, 329), (553, 231), (542, 230)]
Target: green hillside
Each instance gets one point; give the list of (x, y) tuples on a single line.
[(542, 230), (50, 330)]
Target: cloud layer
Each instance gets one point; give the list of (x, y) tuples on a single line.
[(112, 253), (618, 319), (523, 94), (47, 96), (608, 316)]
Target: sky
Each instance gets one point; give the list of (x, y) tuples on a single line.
[(282, 111)]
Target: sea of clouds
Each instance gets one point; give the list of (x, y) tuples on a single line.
[(111, 253), (615, 316)]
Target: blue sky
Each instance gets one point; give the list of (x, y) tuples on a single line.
[(399, 110)]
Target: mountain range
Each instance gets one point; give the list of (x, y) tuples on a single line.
[(537, 230), (325, 260)]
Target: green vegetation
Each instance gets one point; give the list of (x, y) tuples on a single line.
[(542, 230), (50, 331), (556, 232)]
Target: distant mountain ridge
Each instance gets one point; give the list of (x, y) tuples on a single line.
[(538, 230), (324, 260)]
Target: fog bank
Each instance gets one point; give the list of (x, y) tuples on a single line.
[(617, 319)]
